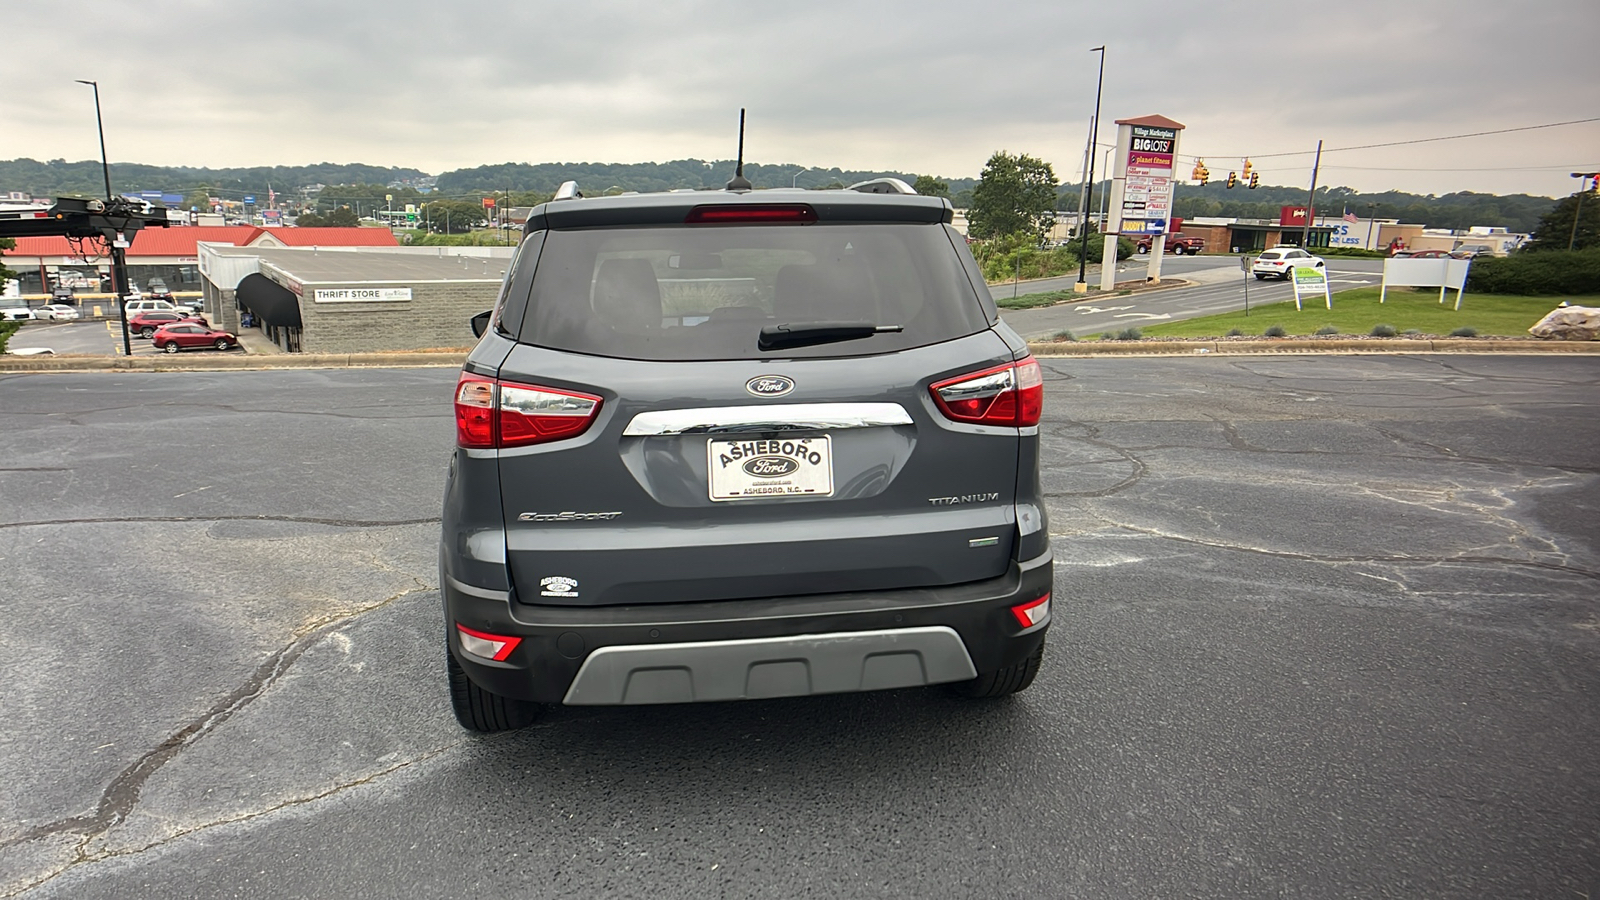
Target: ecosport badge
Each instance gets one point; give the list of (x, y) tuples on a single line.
[(568, 516), (769, 385)]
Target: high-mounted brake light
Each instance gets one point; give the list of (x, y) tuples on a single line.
[(1031, 613), (1012, 394), (491, 413), (745, 213), (489, 646)]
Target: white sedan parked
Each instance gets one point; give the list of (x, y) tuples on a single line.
[(57, 312), (1280, 262)]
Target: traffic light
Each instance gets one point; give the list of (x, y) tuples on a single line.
[(1233, 179), (1201, 173), (1244, 175), (1255, 179)]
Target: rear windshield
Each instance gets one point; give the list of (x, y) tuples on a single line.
[(702, 293)]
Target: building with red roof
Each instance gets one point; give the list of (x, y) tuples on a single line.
[(169, 254)]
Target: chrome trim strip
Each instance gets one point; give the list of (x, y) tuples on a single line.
[(769, 417)]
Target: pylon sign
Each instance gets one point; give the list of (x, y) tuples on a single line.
[(1143, 179)]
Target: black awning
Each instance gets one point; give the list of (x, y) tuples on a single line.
[(271, 302)]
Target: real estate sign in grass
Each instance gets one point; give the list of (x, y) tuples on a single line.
[(1357, 311)]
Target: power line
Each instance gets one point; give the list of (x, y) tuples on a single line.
[(1448, 137)]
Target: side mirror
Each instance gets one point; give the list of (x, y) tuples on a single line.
[(480, 322)]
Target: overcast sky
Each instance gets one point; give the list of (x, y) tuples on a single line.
[(932, 86)]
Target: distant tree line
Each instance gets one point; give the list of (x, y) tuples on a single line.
[(362, 187)]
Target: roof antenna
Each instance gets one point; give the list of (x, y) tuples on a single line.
[(738, 182)]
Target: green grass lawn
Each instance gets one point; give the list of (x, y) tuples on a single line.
[(1356, 311)]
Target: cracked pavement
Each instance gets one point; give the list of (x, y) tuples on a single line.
[(1325, 627)]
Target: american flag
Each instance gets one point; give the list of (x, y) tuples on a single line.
[(1350, 217)]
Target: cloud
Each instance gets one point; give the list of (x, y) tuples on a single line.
[(933, 86)]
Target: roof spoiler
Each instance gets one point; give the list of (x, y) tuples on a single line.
[(883, 186)]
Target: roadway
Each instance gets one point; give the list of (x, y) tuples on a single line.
[(1220, 287), (1324, 627)]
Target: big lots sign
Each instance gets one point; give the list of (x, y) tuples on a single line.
[(1292, 215)]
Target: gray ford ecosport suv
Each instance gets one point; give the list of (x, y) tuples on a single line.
[(736, 445)]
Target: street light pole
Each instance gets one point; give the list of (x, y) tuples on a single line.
[(1094, 138), (119, 259), (795, 181)]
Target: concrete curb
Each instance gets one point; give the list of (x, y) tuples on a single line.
[(209, 363), (1301, 346), (185, 363)]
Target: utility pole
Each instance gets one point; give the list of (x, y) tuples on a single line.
[(1311, 202), (1577, 214), (1082, 287), (119, 258)]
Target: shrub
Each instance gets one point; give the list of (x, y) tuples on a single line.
[(1274, 331), (1354, 252), (1465, 331), (1063, 335), (1411, 331), (1234, 332), (1548, 272), (1327, 329), (7, 329), (1382, 330), (1129, 334)]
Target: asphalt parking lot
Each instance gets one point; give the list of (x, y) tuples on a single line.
[(1325, 627)]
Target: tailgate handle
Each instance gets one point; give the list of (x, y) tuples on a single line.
[(788, 417)]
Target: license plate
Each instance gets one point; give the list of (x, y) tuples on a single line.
[(770, 467)]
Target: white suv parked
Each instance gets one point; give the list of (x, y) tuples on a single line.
[(147, 305), (1280, 262)]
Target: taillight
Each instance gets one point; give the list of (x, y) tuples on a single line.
[(491, 413), (1012, 394), (745, 213)]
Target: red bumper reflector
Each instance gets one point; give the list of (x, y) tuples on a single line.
[(1033, 612), (489, 646)]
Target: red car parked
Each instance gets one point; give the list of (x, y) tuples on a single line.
[(145, 324), (188, 335)]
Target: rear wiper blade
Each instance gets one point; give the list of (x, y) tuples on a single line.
[(808, 334)]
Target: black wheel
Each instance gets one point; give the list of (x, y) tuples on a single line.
[(480, 710), (170, 346), (1011, 680), (1287, 273), (147, 331), (222, 344), (1177, 251)]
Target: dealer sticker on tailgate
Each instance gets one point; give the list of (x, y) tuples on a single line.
[(771, 467)]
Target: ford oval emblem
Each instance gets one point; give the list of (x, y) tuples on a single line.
[(769, 385), (770, 466)]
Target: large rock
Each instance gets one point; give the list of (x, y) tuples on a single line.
[(1569, 323)]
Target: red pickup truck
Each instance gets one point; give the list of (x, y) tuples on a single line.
[(1177, 244)]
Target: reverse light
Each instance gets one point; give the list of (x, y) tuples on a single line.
[(1031, 613), (746, 213), (497, 414), (489, 646), (1012, 394)]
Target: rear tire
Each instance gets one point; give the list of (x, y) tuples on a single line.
[(171, 347), (484, 711), (1003, 683), (1177, 251)]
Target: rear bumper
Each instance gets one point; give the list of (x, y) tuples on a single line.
[(745, 649)]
